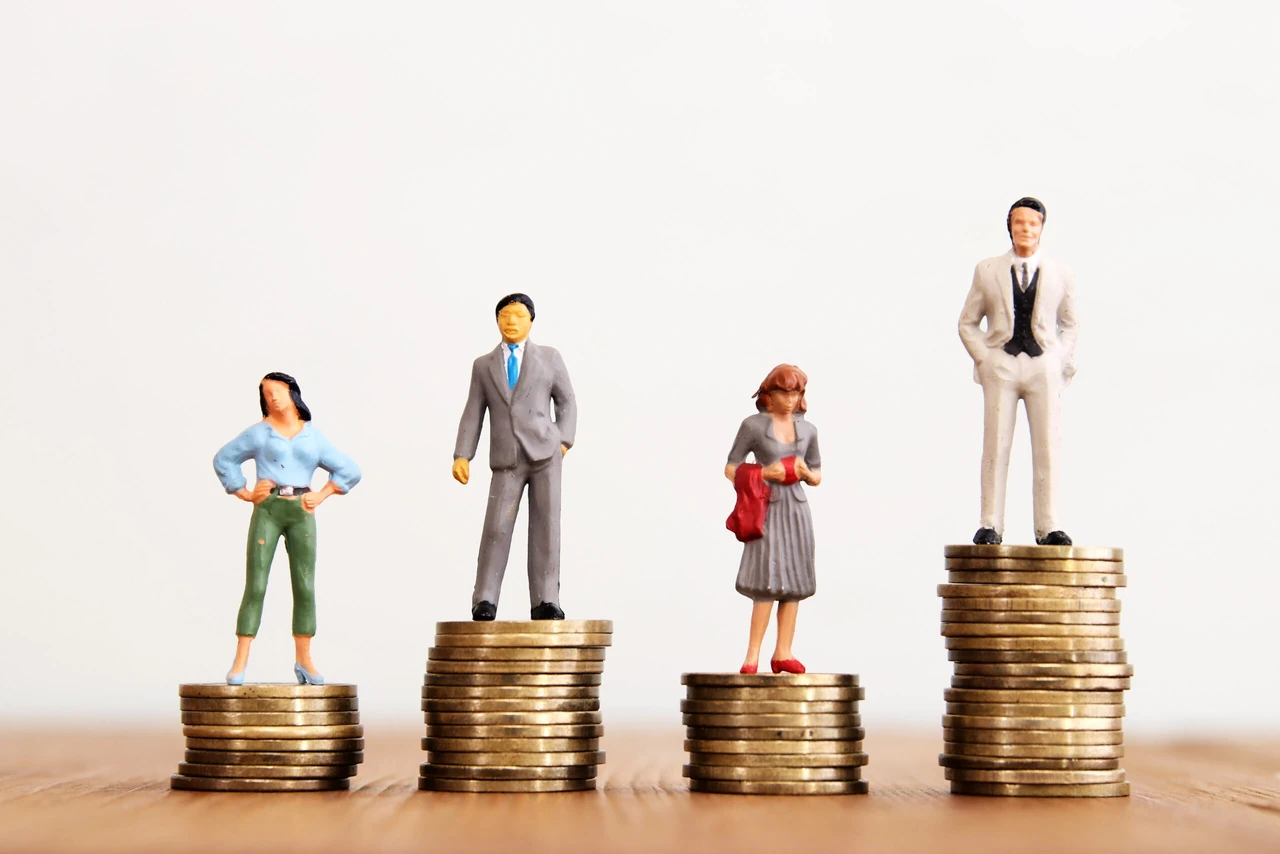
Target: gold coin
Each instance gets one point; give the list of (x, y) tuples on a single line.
[(1038, 644), (215, 784), (276, 719), (257, 690), (584, 757), (515, 772), (1073, 618), (437, 784), (999, 656), (286, 745), (266, 772), (1013, 564), (841, 720), (1039, 683), (793, 747), (1011, 603), (1036, 552), (1040, 698), (781, 707), (270, 704), (510, 692), (756, 787), (1031, 736), (274, 732), (1043, 778), (1026, 630), (527, 731), (512, 639), (1007, 722), (511, 718), (697, 692), (1058, 579), (510, 680), (527, 627), (798, 734), (1035, 751), (534, 654), (1016, 790), (527, 704), (234, 757), (770, 775), (990, 763), (1023, 591), (440, 666), (1108, 670), (780, 760), (1030, 710), (769, 680), (511, 745)]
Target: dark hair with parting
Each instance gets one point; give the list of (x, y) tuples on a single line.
[(782, 378), (1024, 202), (294, 392), (523, 299)]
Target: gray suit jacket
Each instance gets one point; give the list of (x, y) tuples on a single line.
[(520, 415)]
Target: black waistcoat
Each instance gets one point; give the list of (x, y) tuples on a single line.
[(1024, 303)]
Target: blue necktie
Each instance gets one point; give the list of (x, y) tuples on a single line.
[(513, 367)]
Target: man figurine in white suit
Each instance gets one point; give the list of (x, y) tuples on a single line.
[(1026, 352)]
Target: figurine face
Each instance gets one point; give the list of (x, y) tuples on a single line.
[(783, 402), (276, 394), (514, 323), (1025, 225)]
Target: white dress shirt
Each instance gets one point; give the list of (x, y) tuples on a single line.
[(519, 351), (1032, 263)]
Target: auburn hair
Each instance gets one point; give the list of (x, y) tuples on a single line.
[(782, 378)]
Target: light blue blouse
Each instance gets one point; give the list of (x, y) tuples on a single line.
[(287, 462)]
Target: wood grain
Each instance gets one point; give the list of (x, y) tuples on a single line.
[(109, 791)]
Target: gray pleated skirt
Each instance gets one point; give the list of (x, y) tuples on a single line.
[(778, 567)]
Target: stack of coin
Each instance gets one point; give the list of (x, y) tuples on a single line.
[(758, 734), (1035, 706), (514, 706), (269, 737)]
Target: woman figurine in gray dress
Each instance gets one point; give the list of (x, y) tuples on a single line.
[(778, 567)]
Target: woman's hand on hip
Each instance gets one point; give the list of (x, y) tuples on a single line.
[(262, 491)]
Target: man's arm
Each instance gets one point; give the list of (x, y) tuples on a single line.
[(975, 309), (1067, 326), (472, 423), (566, 406)]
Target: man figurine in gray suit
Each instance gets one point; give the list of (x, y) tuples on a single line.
[(1026, 352), (518, 382)]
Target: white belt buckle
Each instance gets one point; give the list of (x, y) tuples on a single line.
[(285, 490)]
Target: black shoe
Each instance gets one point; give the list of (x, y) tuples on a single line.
[(986, 537), (546, 611), (484, 611), (1054, 538)]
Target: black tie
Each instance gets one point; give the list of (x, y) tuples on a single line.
[(1025, 282)]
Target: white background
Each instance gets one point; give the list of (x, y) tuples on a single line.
[(193, 194)]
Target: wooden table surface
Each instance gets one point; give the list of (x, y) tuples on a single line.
[(109, 791)]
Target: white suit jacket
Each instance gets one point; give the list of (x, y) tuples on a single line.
[(1053, 321)]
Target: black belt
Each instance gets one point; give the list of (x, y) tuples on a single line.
[(290, 490)]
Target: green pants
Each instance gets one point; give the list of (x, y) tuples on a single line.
[(270, 519)]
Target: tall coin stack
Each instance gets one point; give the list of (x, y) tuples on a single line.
[(514, 706), (269, 738), (757, 734), (1035, 707)]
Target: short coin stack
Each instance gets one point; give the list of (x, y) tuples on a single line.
[(756, 734), (269, 737), (514, 706), (1035, 706)]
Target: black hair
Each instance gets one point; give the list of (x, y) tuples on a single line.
[(1024, 202), (523, 299), (294, 392)]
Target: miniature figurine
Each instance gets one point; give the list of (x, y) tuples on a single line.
[(777, 557), (286, 449), (518, 383), (1026, 352)]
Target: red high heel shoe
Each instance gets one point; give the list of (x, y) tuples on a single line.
[(789, 665), (749, 668)]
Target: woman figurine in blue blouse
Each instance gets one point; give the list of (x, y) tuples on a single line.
[(286, 450)]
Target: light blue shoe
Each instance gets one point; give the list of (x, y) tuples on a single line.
[(235, 678), (306, 677)]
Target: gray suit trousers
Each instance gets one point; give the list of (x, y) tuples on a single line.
[(505, 490)]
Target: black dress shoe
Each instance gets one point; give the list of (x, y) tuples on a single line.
[(1054, 538), (986, 537), (546, 611), (483, 611)]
